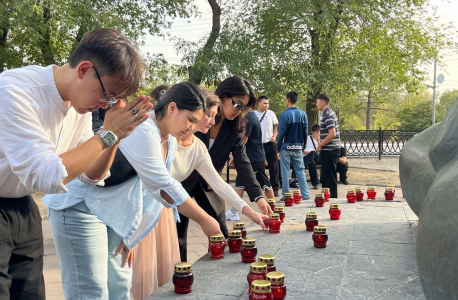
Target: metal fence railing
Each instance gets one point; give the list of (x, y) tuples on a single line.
[(375, 142)]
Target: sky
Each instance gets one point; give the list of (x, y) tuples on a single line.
[(194, 29)]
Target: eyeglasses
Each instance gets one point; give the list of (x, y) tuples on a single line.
[(239, 107), (108, 100)]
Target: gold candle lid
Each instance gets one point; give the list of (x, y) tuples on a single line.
[(359, 189), (296, 191), (271, 201), (268, 259), (260, 286), (311, 215), (371, 188), (335, 205), (388, 189), (235, 233), (390, 185), (351, 191), (216, 238), (183, 267), (279, 208), (276, 277), (258, 267), (319, 228), (239, 225), (288, 194), (319, 195), (248, 241), (325, 190), (274, 216)]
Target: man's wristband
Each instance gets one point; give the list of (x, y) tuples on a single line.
[(258, 198)]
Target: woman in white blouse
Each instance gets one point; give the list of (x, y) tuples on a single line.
[(159, 251), (88, 234)]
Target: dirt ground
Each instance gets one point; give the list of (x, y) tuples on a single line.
[(355, 176)]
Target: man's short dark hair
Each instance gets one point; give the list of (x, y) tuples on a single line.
[(292, 96), (113, 55), (315, 127), (262, 98), (325, 97)]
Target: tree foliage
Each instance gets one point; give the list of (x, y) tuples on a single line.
[(46, 32)]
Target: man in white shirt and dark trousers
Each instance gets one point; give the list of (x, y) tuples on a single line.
[(329, 147), (269, 128), (46, 141), (311, 157)]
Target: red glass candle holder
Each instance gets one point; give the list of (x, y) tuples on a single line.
[(371, 193), (240, 226), (217, 246), (319, 236), (271, 203), (319, 200), (326, 193), (249, 250), (389, 193), (391, 186), (183, 278), (334, 211), (260, 290), (258, 271), (269, 260), (274, 223), (311, 221), (297, 196), (277, 282), (288, 199), (359, 194), (280, 210), (351, 196), (234, 241)]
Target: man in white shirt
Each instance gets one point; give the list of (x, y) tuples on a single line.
[(311, 157), (269, 128), (47, 140)]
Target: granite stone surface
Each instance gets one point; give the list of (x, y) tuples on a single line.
[(370, 254)]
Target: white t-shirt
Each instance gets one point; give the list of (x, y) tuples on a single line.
[(309, 147), (267, 124), (36, 126), (196, 157)]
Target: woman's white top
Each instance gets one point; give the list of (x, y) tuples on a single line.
[(196, 157)]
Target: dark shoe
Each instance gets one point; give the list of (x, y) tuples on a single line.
[(276, 193), (344, 182), (293, 184), (281, 199), (315, 187)]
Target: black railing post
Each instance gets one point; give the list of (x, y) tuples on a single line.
[(227, 171), (380, 143)]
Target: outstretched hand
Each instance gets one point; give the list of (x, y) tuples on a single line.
[(256, 217)]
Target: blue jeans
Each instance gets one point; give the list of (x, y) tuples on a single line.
[(293, 157), (86, 249)]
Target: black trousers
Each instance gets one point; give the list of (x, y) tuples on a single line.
[(182, 228), (21, 250), (310, 164), (329, 161), (270, 149), (342, 169)]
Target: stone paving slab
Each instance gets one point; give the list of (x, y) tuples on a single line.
[(370, 255)]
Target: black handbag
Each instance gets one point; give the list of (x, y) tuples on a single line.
[(316, 157)]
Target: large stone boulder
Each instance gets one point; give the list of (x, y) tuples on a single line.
[(434, 194)]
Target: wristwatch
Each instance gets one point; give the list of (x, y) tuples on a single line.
[(108, 137)]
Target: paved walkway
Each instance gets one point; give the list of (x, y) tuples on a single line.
[(197, 241)]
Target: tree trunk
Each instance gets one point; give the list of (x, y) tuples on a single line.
[(45, 43), (204, 55), (3, 50), (368, 112)]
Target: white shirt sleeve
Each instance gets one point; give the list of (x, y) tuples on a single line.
[(274, 118), (23, 140), (142, 148), (221, 188)]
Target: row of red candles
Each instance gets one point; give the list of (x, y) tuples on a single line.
[(261, 284)]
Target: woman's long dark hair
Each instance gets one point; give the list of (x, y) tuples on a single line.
[(232, 86), (186, 95)]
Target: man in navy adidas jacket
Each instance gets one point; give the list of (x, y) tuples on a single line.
[(291, 141)]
